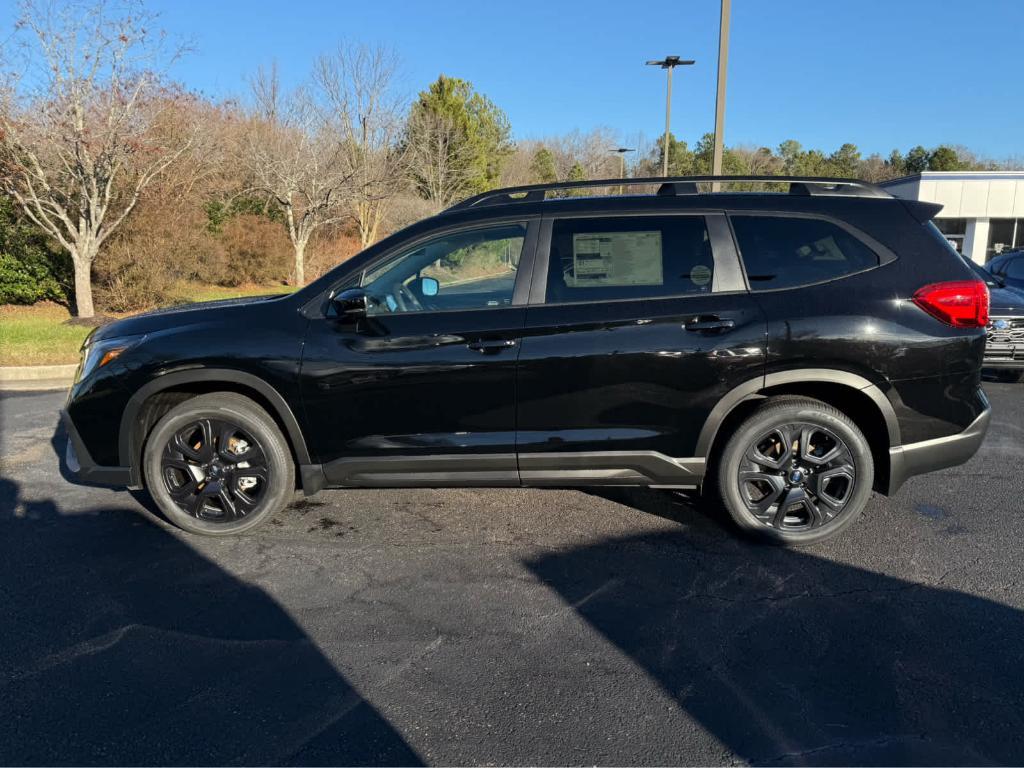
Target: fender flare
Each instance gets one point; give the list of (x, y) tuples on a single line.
[(127, 450), (751, 389)]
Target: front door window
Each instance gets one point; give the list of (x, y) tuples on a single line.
[(473, 269)]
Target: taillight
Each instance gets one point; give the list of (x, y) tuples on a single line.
[(961, 303)]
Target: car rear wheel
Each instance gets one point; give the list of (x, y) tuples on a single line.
[(797, 471), (217, 464)]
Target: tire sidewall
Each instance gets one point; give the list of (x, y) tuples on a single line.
[(279, 463), (771, 417)]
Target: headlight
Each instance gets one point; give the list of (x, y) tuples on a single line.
[(96, 354)]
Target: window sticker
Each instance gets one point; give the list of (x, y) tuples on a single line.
[(615, 258)]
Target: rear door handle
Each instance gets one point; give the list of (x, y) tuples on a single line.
[(490, 346), (709, 323)]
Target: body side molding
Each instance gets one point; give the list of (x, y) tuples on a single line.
[(610, 468), (500, 470), (456, 469)]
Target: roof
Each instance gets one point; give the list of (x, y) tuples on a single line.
[(965, 194), (956, 176)]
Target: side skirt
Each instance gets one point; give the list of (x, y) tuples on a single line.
[(645, 468), (610, 468), (473, 470)]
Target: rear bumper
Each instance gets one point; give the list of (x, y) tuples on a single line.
[(906, 461), (81, 464)]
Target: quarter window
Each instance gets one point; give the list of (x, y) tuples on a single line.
[(632, 257), (472, 269), (782, 252)]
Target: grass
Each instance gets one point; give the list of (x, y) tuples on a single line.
[(40, 335), (37, 335)]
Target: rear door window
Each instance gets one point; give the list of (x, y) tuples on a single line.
[(783, 252), (593, 259)]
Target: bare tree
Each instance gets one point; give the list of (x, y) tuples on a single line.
[(439, 159), (356, 86), (84, 128), (297, 158), (591, 150)]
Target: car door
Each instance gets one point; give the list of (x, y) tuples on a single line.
[(421, 391), (637, 326)]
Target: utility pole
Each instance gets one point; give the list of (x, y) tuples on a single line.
[(621, 152), (668, 63), (723, 66)]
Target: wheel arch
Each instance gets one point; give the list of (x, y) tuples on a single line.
[(155, 398), (857, 397)]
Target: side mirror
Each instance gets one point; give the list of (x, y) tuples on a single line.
[(429, 286), (350, 304)]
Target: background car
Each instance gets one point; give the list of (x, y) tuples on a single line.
[(1004, 346), (1009, 267)]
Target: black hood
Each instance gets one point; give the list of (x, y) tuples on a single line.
[(1005, 301), (184, 314)]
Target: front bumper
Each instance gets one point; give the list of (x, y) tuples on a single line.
[(81, 464), (1004, 345), (1013, 361), (905, 461)]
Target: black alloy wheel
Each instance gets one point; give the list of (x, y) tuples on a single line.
[(796, 477), (214, 470), (796, 471), (218, 464)]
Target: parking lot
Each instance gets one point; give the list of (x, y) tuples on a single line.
[(509, 626)]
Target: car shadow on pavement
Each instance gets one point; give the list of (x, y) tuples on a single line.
[(123, 645), (790, 658)]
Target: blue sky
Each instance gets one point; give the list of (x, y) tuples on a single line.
[(879, 73)]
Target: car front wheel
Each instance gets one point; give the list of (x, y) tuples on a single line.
[(797, 471), (217, 464)]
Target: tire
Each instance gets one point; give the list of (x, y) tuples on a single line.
[(824, 495), (1009, 377), (218, 465)]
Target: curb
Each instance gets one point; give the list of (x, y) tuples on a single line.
[(36, 377)]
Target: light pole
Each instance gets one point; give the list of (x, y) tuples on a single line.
[(668, 63), (723, 66), (621, 152)]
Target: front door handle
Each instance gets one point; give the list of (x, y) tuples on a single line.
[(709, 323), (490, 346)]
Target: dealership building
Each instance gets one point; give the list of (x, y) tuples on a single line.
[(982, 211)]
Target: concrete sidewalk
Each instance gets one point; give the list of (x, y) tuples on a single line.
[(22, 378)]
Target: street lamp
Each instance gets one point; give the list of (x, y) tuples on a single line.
[(668, 63), (621, 152), (723, 66)]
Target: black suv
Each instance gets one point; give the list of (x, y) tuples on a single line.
[(785, 352)]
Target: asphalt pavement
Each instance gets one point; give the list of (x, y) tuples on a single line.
[(509, 626)]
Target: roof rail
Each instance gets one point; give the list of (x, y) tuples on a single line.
[(678, 185)]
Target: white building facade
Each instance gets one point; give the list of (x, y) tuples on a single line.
[(982, 211)]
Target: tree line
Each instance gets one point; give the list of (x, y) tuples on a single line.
[(120, 183)]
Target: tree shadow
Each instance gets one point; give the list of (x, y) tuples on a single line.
[(122, 645), (789, 658)]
